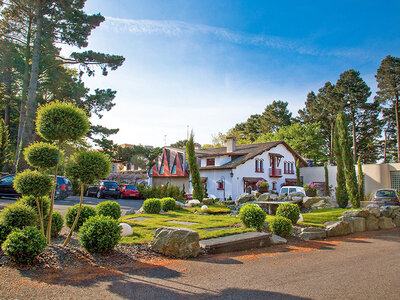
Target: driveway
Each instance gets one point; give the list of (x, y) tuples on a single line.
[(62, 205)]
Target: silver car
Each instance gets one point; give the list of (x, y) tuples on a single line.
[(386, 197)]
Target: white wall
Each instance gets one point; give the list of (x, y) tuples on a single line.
[(219, 160), (212, 177)]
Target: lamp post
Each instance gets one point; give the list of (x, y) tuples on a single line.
[(223, 182)]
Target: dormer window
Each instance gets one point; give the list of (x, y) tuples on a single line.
[(210, 162)]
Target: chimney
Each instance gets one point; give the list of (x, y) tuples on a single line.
[(230, 144)]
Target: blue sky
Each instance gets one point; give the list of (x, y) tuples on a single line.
[(211, 64)]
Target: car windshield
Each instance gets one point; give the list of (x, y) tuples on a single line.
[(131, 187), (386, 193), (110, 184), (7, 180)]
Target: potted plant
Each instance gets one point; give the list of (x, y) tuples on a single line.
[(311, 189), (262, 186)]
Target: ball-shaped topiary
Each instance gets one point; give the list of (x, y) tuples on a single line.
[(89, 166), (33, 183), (24, 245), (152, 206), (290, 211), (4, 232), (100, 234), (57, 223), (42, 155), (167, 204), (58, 121), (281, 226), (19, 215), (109, 209), (252, 216), (44, 203), (86, 212)]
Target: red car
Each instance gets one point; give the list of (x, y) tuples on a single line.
[(128, 191)]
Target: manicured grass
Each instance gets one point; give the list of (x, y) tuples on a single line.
[(320, 216), (144, 230), (212, 209)]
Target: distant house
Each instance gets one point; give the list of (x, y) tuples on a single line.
[(232, 170)]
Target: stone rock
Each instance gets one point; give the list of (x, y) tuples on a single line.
[(204, 208), (140, 211), (356, 213), (130, 212), (243, 198), (177, 203), (263, 197), (374, 210), (277, 240), (297, 199), (386, 211), (308, 201), (192, 203), (357, 224), (318, 205), (395, 212), (126, 229), (273, 197), (297, 194), (372, 222), (339, 228), (385, 223), (255, 194), (176, 242), (207, 201), (396, 221), (312, 233), (301, 219)]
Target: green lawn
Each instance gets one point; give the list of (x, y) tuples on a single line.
[(320, 216), (144, 230), (212, 209)]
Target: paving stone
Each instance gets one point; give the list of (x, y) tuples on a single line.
[(182, 222), (216, 228), (139, 218)]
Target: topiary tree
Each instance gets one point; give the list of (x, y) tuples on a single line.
[(5, 230), (327, 191), (42, 155), (198, 192), (290, 211), (86, 211), (35, 184), (167, 204), (252, 216), (60, 122), (87, 167), (18, 215), (298, 178), (281, 226), (152, 206), (44, 203), (57, 223), (340, 190), (360, 180), (109, 209)]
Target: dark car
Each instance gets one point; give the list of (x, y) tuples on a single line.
[(63, 187), (386, 197), (128, 191), (103, 189)]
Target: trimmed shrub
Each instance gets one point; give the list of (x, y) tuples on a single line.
[(290, 211), (19, 215), (167, 204), (109, 209), (59, 121), (252, 216), (281, 226), (152, 206), (100, 234), (33, 183), (57, 222), (4, 232), (42, 155), (86, 212), (24, 245), (44, 203)]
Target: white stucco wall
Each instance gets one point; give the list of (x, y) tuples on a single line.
[(212, 177), (219, 160)]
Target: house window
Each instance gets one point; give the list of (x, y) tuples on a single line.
[(220, 185), (259, 165), (256, 165), (274, 185), (291, 168), (285, 168), (210, 161)]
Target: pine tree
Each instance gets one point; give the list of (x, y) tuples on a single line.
[(298, 178), (4, 141), (327, 191), (360, 180), (348, 162), (198, 192), (342, 198)]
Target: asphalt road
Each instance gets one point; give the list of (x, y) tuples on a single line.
[(62, 205)]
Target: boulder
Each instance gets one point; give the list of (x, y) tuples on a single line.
[(243, 198), (192, 203), (130, 212), (207, 201), (318, 205), (374, 210), (386, 211), (357, 224), (176, 242), (356, 213), (338, 228), (396, 221), (255, 194), (126, 229), (395, 212), (273, 197), (277, 240), (372, 222), (385, 223), (178, 203), (140, 211), (297, 199), (312, 233), (308, 201), (263, 197)]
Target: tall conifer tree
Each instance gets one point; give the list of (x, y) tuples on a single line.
[(342, 198), (198, 192)]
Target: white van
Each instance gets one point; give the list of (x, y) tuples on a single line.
[(287, 190)]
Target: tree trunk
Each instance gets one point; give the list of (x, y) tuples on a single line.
[(353, 125), (385, 148), (332, 141), (76, 218), (8, 95), (396, 106)]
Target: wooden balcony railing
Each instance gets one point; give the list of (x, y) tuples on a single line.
[(273, 172)]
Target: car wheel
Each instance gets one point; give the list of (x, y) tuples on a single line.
[(99, 195)]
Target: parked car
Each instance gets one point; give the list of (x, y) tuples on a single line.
[(128, 190), (386, 197), (286, 190), (63, 187), (103, 188)]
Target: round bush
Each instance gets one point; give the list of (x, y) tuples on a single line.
[(23, 245), (281, 226), (88, 166), (19, 215), (86, 212), (57, 222), (100, 234), (290, 211), (59, 121), (152, 206), (252, 216), (167, 204), (4, 232), (44, 203), (42, 155), (33, 183), (109, 209)]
